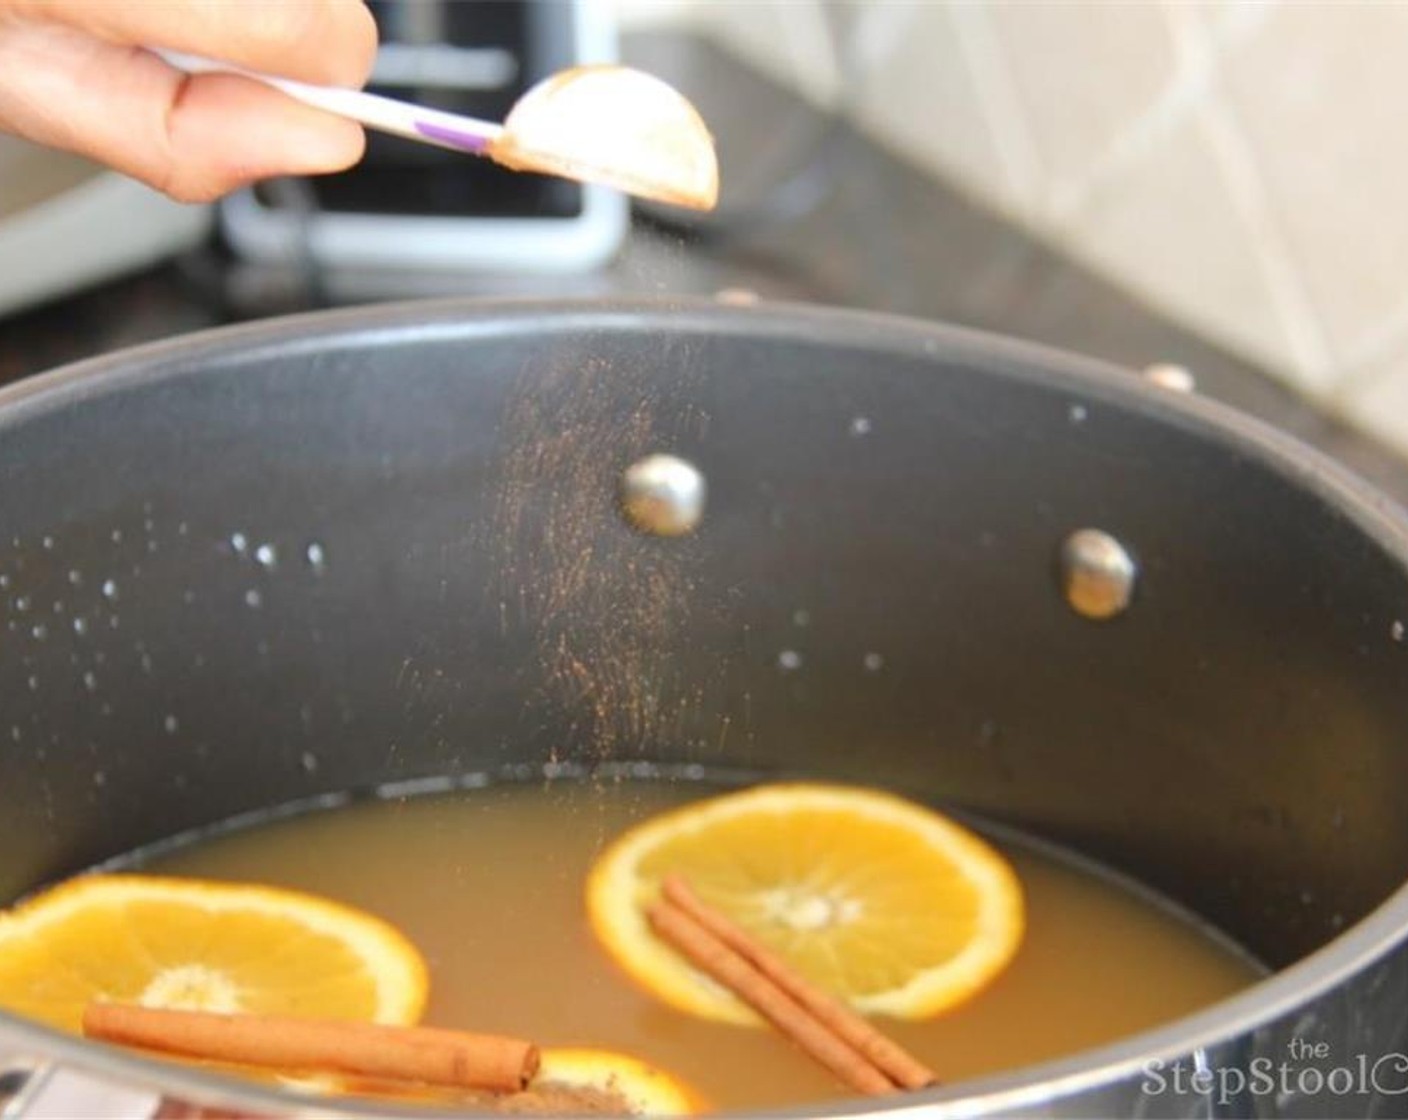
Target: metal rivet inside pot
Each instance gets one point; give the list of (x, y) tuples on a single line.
[(663, 495), (1097, 574)]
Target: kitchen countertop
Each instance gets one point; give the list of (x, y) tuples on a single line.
[(867, 230)]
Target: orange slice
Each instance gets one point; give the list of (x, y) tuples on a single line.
[(882, 902), (647, 1090), (628, 1086), (191, 944)]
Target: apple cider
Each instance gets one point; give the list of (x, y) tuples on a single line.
[(489, 883)]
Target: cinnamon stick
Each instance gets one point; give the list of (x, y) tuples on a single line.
[(428, 1054), (730, 969), (893, 1060)]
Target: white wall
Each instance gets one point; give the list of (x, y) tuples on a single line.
[(1240, 164)]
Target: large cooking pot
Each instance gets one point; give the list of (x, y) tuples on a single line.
[(439, 485)]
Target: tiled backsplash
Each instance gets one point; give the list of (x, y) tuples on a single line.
[(1241, 165)]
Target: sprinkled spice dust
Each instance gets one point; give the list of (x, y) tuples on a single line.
[(608, 607)]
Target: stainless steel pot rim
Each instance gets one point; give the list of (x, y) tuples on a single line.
[(1089, 382)]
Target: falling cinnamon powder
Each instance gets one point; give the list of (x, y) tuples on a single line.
[(605, 605)]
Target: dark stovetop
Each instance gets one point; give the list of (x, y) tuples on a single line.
[(867, 230)]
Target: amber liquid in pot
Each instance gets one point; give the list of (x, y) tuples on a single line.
[(489, 883)]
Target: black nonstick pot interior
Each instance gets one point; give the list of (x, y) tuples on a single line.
[(322, 555)]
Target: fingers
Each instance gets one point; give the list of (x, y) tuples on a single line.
[(327, 41), (192, 137), (71, 75)]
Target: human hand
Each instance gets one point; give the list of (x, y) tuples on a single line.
[(73, 75)]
